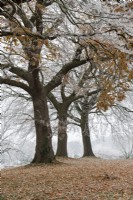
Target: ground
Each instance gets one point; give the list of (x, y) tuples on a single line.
[(71, 179)]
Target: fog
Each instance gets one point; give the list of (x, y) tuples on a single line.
[(111, 133), (103, 147)]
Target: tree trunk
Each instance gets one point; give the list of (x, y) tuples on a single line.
[(44, 151), (87, 147), (62, 134)]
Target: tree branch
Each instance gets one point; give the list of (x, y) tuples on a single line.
[(15, 84), (54, 101), (26, 21), (57, 79), (18, 71), (76, 119), (73, 97), (27, 33)]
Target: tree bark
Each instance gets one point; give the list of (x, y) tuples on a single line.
[(87, 144), (87, 147), (62, 134), (43, 151)]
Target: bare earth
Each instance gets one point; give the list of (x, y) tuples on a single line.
[(72, 179)]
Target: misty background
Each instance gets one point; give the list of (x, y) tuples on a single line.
[(111, 133)]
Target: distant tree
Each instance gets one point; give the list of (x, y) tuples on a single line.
[(117, 125), (123, 132), (84, 108), (16, 125), (62, 106)]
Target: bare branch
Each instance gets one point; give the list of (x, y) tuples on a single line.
[(18, 71), (57, 79), (15, 84)]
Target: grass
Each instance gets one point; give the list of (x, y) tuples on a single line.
[(70, 179), (1, 197)]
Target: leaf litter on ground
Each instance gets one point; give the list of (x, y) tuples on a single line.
[(70, 179)]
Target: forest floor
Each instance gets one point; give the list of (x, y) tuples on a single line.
[(71, 179)]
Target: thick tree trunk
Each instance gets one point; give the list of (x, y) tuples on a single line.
[(62, 134), (87, 147), (44, 151)]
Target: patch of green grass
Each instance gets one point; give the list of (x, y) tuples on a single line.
[(2, 197)]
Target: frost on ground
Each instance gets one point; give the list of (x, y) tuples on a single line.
[(71, 179)]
